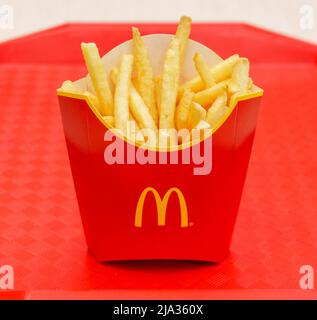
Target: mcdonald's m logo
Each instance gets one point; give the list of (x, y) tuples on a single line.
[(161, 205)]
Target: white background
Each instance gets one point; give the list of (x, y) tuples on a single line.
[(283, 16)]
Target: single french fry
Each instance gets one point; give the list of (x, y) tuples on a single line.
[(208, 96), (204, 70), (121, 97), (170, 79), (114, 76), (240, 74), (182, 110), (182, 34), (196, 114), (240, 82), (138, 110), (144, 74), (220, 72), (98, 77), (217, 110), (158, 92), (195, 85), (223, 69)]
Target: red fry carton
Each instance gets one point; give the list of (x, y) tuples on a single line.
[(174, 204)]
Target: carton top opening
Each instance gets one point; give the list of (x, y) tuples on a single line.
[(157, 45)]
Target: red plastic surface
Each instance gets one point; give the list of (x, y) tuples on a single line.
[(40, 230)]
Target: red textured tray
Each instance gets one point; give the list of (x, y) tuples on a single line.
[(40, 229)]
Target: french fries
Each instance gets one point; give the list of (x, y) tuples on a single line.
[(220, 72), (196, 114), (182, 110), (240, 82), (158, 92), (170, 78), (208, 96), (240, 74), (139, 110), (121, 97), (217, 110), (155, 109), (98, 77), (144, 74), (204, 71), (182, 34), (114, 76)]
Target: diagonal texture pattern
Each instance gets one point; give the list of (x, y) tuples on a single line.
[(40, 229)]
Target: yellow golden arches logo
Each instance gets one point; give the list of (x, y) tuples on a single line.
[(161, 205)]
